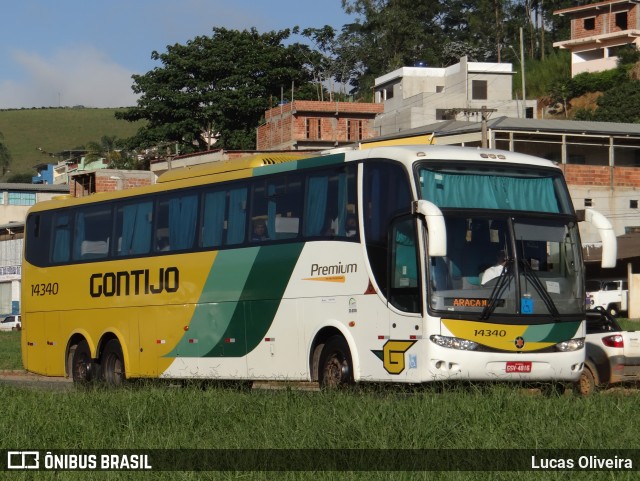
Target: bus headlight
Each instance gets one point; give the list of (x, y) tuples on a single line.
[(571, 345), (454, 343)]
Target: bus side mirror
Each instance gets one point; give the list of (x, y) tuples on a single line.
[(435, 226), (608, 236)]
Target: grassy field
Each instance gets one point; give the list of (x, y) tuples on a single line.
[(54, 130), (193, 416)]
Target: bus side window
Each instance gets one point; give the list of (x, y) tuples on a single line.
[(133, 228), (92, 233), (277, 203), (224, 217), (330, 204), (176, 219), (61, 238), (386, 194), (38, 244), (403, 290)]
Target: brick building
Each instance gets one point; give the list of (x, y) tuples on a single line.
[(598, 31), (310, 125), (108, 180)]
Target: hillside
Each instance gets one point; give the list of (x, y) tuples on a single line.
[(54, 130)]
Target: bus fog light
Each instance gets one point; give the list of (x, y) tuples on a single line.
[(454, 343), (570, 345)]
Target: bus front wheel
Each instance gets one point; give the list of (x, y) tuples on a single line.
[(336, 368), (112, 363), (82, 367)]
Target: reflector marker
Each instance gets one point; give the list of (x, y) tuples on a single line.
[(193, 341), (414, 337), (383, 337), (230, 340), (269, 339), (161, 341)]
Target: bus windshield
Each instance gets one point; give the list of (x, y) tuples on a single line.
[(512, 247), (505, 265)]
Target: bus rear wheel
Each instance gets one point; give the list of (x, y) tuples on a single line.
[(112, 363), (82, 367), (336, 368)]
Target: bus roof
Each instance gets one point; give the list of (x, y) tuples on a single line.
[(252, 166), (410, 153), (232, 165)]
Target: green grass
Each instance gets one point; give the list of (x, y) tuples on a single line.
[(55, 130), (153, 416), (10, 357), (159, 415)]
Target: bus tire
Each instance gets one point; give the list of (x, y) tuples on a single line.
[(112, 364), (82, 366), (587, 384), (336, 368)]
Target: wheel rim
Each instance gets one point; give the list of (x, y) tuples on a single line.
[(585, 384), (81, 368), (336, 371)]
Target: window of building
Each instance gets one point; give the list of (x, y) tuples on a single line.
[(479, 89), (22, 198), (354, 130), (439, 89), (588, 202), (633, 204), (445, 114), (590, 23), (313, 128), (621, 20)]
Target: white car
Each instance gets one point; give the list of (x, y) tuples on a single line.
[(612, 354), (11, 323), (610, 294)]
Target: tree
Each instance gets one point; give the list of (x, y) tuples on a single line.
[(5, 156), (389, 34), (215, 87), (115, 154), (620, 104)]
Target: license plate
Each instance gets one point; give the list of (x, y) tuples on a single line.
[(517, 366)]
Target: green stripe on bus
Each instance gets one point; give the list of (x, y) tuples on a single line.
[(321, 161), (259, 301), (239, 301), (218, 302), (557, 332)]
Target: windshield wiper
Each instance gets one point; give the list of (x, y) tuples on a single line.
[(533, 278), (504, 279)]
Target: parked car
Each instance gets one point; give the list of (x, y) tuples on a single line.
[(612, 354), (610, 294), (11, 323)]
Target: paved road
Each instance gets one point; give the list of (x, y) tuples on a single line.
[(23, 378)]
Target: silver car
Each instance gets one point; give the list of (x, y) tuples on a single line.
[(612, 354), (11, 323)]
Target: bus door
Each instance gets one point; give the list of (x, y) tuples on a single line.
[(404, 300)]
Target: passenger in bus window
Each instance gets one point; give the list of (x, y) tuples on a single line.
[(351, 227), (259, 231), (163, 244)]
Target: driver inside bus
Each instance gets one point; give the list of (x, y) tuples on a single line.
[(494, 271)]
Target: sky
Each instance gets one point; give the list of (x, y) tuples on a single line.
[(65, 53)]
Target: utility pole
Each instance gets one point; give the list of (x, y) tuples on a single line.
[(524, 92), (484, 112)]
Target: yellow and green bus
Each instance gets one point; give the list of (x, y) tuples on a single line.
[(363, 265)]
